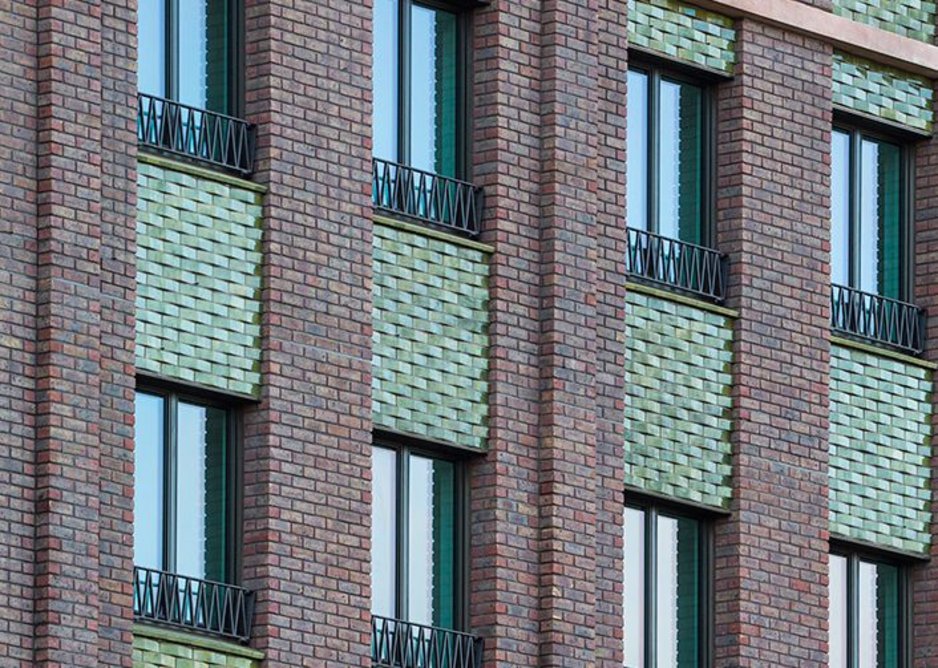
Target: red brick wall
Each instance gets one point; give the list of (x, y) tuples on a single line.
[(308, 445), (925, 577), (773, 220), (17, 327)]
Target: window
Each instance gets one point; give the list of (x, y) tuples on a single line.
[(868, 598), (668, 149), (419, 87), (869, 211), (183, 486), (417, 542), (187, 52), (666, 584)]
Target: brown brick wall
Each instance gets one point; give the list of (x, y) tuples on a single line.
[(925, 577), (308, 444), (773, 220), (17, 328)]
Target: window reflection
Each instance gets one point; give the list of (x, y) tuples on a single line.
[(637, 164), (149, 478), (633, 594)]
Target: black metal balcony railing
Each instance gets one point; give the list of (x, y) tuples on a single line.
[(427, 197), (210, 607), (176, 128), (876, 318), (396, 644), (678, 264)]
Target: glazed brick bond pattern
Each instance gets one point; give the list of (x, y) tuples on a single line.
[(876, 90), (678, 381), (684, 32), (430, 337), (198, 294), (911, 18), (155, 648), (879, 450)]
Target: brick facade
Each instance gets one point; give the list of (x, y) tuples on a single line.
[(545, 416)]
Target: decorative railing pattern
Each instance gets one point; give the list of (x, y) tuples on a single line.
[(427, 197), (396, 644), (879, 319), (678, 264), (176, 128), (175, 600)]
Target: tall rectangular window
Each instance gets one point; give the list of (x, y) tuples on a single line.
[(416, 540), (183, 486), (668, 144), (665, 589), (418, 86), (868, 596), (186, 52), (868, 214)]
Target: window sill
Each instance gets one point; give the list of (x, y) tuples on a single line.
[(151, 156), (882, 350), (635, 284)]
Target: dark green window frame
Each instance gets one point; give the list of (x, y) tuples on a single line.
[(404, 448), (231, 556), (657, 72), (858, 130), (900, 652), (461, 9), (653, 509), (233, 81)]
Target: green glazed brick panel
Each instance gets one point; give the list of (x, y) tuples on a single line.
[(430, 337), (151, 652), (879, 450), (677, 416), (910, 18), (198, 280), (684, 32), (880, 91)]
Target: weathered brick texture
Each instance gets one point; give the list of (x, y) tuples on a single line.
[(773, 211), (307, 445), (18, 126)]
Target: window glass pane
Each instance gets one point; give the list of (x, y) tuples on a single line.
[(149, 451), (431, 567), (637, 158), (201, 492), (837, 611), (151, 47), (869, 629), (678, 587), (204, 54), (880, 191), (384, 532), (385, 79), (840, 208), (433, 90), (633, 594), (887, 615), (680, 171)]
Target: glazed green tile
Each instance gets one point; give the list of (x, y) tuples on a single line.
[(884, 92), (198, 300), (430, 342), (685, 32), (880, 415), (678, 382), (910, 18)]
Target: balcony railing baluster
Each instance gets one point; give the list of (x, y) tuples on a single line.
[(178, 129), (877, 318), (175, 600), (396, 644), (678, 264), (427, 197)]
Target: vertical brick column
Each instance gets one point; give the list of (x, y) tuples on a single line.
[(68, 382), (307, 489), (773, 211), (611, 246), (118, 296), (925, 577), (567, 453), (17, 327), (504, 485)]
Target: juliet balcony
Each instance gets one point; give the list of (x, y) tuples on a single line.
[(877, 319), (676, 265), (397, 644)]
